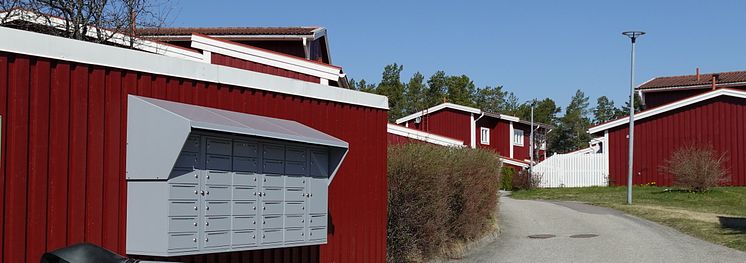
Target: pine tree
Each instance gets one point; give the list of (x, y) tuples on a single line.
[(490, 99), (571, 133), (414, 94), (392, 87), (605, 110), (459, 90), (435, 92)]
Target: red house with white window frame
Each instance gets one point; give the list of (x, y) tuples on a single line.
[(64, 136), (504, 134), (681, 110)]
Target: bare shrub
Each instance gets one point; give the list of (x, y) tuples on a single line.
[(696, 167), (525, 180), (438, 197)]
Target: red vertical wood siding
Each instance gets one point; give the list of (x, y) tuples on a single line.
[(657, 98), (447, 122), (499, 135), (720, 121), (63, 166), (521, 152), (224, 60)]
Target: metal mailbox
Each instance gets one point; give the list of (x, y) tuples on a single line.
[(226, 188)]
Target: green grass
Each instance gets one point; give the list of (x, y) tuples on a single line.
[(649, 200)]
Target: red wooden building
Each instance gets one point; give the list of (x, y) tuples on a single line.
[(716, 117), (663, 90), (504, 134), (64, 111)]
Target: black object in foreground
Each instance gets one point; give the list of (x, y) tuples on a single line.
[(85, 253)]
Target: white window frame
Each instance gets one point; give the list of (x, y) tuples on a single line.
[(518, 134), (482, 138)]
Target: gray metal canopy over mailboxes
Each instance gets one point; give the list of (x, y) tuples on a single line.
[(203, 180)]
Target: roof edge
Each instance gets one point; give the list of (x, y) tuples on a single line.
[(437, 108), (48, 46), (668, 107)]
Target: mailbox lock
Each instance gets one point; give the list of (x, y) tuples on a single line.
[(254, 222), (207, 192), (302, 221), (195, 223), (202, 192), (207, 176), (264, 208), (301, 234), (194, 240), (195, 191), (207, 223), (195, 208), (207, 208), (264, 222), (255, 208), (207, 240), (196, 176), (263, 235), (253, 236)]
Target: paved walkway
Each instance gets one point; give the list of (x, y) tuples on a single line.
[(620, 237)]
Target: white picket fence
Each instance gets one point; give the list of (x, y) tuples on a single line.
[(573, 170)]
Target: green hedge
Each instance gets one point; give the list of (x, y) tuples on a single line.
[(438, 197)]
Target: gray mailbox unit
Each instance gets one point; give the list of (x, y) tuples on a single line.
[(202, 180)]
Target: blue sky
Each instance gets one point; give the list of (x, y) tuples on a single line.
[(535, 49)]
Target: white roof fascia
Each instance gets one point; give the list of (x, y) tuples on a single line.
[(509, 118), (116, 38), (423, 136), (267, 58), (514, 162), (669, 107), (318, 32), (42, 45), (437, 108)]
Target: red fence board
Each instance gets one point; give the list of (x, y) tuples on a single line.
[(718, 121), (63, 162)]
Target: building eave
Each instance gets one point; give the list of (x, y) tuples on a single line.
[(668, 107)]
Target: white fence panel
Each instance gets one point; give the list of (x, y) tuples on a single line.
[(573, 170)]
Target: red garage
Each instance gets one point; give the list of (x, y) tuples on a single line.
[(717, 117), (66, 170)]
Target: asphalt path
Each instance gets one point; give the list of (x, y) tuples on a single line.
[(576, 232)]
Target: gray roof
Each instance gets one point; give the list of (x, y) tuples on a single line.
[(247, 124)]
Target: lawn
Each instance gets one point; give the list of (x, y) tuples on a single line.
[(692, 213)]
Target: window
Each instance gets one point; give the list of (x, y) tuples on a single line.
[(518, 137), (484, 135)]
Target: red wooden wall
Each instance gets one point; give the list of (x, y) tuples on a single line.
[(63, 159), (499, 135), (521, 152), (446, 122), (219, 59), (720, 121), (657, 98)]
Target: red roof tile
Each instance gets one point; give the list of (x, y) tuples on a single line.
[(227, 31), (724, 78)]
